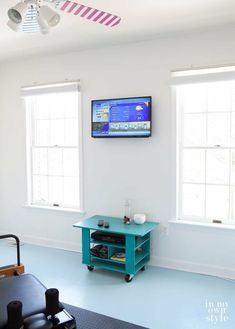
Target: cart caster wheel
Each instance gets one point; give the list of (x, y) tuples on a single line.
[(143, 268), (90, 268), (128, 278)]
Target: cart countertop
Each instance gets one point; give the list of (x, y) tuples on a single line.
[(116, 225)]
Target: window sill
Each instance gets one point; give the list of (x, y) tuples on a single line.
[(75, 211), (209, 225)]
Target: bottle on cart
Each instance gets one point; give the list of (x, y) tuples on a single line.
[(127, 212)]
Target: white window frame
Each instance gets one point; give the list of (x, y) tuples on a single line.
[(186, 79), (43, 89)]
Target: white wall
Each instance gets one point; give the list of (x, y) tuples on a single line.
[(139, 169)]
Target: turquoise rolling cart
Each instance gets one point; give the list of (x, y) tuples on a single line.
[(136, 247)]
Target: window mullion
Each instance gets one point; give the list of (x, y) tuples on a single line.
[(206, 154), (180, 116), (32, 143), (230, 209), (32, 139)]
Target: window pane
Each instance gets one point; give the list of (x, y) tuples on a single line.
[(40, 112), (71, 132), (56, 190), (233, 167), (219, 129), (194, 98), (233, 95), (42, 132), (193, 201), (219, 96), (194, 130), (71, 191), (57, 132), (194, 166), (217, 201), (232, 129), (40, 161), (45, 105), (70, 104), (58, 105), (217, 169), (70, 162), (64, 105), (40, 189), (232, 198), (55, 162)]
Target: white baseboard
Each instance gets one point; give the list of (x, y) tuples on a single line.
[(58, 244), (222, 272), (175, 264)]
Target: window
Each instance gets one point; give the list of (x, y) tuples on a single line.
[(53, 145), (206, 151)]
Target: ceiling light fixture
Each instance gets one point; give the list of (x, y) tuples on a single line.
[(13, 26), (17, 13), (29, 14), (33, 15), (44, 28), (49, 16)]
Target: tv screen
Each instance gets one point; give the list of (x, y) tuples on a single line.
[(122, 117)]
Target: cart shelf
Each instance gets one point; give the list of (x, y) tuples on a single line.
[(108, 260), (108, 243), (108, 265)]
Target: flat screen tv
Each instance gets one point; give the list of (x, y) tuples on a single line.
[(121, 117)]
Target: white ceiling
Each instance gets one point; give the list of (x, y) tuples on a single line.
[(141, 19)]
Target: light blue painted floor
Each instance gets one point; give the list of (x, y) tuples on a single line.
[(156, 298)]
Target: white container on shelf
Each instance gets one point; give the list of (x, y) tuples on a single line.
[(139, 218)]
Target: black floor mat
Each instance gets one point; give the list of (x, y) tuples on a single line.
[(91, 320)]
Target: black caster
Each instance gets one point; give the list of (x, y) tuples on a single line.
[(143, 268), (128, 278), (90, 267)]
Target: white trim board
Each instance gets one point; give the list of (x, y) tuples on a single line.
[(50, 243), (197, 268), (169, 263)]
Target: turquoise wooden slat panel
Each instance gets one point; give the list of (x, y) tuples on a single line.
[(86, 257), (130, 254)]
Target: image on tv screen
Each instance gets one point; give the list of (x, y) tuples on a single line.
[(126, 117)]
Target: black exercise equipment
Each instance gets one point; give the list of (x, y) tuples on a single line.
[(13, 269), (14, 315), (35, 307), (52, 301), (25, 303)]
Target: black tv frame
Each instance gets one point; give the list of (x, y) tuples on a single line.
[(121, 98)]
